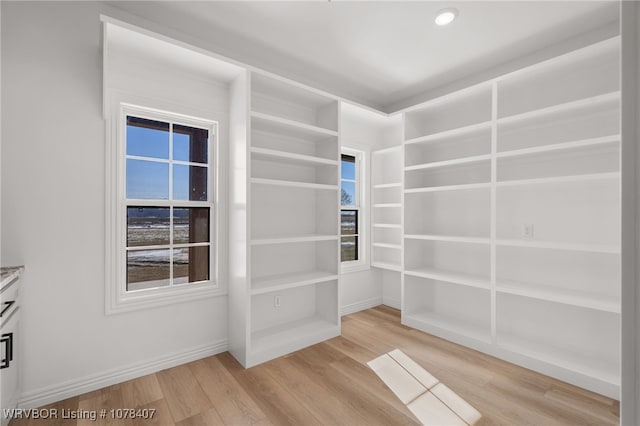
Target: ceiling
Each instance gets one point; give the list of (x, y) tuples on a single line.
[(380, 54)]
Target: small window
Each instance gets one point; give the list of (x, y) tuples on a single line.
[(168, 208), (350, 209)]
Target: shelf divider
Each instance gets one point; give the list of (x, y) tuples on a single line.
[(567, 106), (450, 276), (437, 164), (472, 128), (448, 238), (291, 157), (294, 124), (278, 182), (280, 282), (560, 146)]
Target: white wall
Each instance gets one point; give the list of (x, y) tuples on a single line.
[(53, 215), (391, 289), (360, 290)]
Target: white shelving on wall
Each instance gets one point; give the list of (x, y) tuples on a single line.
[(386, 195), (286, 184), (447, 309), (512, 217)]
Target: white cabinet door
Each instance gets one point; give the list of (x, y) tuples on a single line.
[(9, 373)]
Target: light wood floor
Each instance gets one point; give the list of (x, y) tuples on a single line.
[(330, 384)]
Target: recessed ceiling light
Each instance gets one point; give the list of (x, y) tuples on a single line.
[(446, 16)]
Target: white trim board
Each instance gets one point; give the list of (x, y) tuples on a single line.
[(392, 303), (75, 387), (360, 306)]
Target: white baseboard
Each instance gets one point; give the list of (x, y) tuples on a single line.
[(360, 306), (393, 303), (75, 387)]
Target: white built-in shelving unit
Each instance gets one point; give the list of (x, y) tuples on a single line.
[(285, 270), (386, 210), (512, 217), (495, 217)]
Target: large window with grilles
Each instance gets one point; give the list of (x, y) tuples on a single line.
[(168, 206)]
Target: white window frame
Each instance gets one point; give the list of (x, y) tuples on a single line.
[(118, 299), (361, 206)]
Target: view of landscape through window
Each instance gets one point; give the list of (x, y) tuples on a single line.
[(168, 214), (349, 212)]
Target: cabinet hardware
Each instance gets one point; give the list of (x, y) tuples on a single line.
[(7, 305), (7, 340)]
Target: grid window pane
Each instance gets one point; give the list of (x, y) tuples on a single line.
[(147, 269), (191, 264), (189, 183), (348, 193), (147, 226), (147, 138), (349, 217), (152, 259), (349, 222), (190, 144), (190, 225), (348, 249), (147, 180), (348, 167)]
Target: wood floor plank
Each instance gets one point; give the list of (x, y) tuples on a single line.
[(331, 384), (437, 355), (365, 378), (496, 408), (161, 416), (155, 413), (359, 332), (182, 392), (385, 315), (206, 418), (581, 397), (351, 349), (312, 392), (105, 399), (275, 400), (141, 391), (366, 401), (232, 403), (393, 312), (112, 402), (70, 404)]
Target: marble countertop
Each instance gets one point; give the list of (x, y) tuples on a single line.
[(8, 274)]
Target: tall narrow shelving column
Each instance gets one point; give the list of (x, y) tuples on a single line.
[(387, 217), (512, 217), (558, 216), (291, 291), (386, 206), (447, 187)]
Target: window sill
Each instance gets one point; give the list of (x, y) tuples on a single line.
[(144, 300), (355, 267)]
